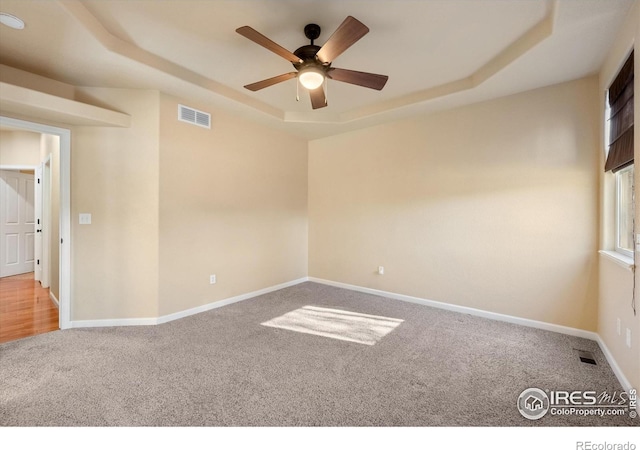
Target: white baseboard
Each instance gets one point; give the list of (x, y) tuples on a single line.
[(180, 314), (466, 310), (113, 322), (626, 385), (406, 298), (228, 301), (54, 299)]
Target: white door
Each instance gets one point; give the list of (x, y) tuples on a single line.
[(43, 222), (17, 223), (39, 199)]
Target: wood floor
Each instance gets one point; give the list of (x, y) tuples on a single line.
[(25, 308)]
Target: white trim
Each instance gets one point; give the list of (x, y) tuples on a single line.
[(618, 258), (494, 316), (54, 299), (65, 209), (618, 207), (45, 226), (227, 301), (626, 385), (113, 322), (184, 313), (466, 310), (38, 203)]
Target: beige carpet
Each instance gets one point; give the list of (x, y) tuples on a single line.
[(422, 367)]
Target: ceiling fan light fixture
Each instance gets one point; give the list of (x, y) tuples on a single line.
[(313, 63), (311, 78), (11, 21)]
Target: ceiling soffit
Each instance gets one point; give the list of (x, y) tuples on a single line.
[(109, 40)]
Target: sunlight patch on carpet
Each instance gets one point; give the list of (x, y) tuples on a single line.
[(336, 324)]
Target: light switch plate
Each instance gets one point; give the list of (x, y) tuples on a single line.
[(85, 219)]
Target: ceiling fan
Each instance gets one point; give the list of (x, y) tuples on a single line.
[(313, 63)]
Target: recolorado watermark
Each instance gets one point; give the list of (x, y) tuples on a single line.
[(534, 404), (588, 445)]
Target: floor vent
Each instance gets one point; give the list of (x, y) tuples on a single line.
[(586, 357), (194, 117)]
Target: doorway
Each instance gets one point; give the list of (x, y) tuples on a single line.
[(46, 226), (62, 251)]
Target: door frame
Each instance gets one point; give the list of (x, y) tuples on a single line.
[(64, 134), (37, 273), (45, 177)]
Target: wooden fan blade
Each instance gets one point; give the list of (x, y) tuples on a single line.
[(347, 34), (318, 99), (365, 79), (267, 43), (270, 81)]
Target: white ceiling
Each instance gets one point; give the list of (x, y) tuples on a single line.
[(437, 53)]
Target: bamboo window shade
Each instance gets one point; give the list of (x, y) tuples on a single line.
[(621, 119)]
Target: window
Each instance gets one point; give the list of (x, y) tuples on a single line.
[(624, 211), (620, 156)]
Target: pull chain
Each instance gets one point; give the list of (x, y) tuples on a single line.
[(326, 90), (297, 89)]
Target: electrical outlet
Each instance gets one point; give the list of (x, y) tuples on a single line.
[(619, 326), (628, 338), (380, 270), (84, 219), (212, 279)]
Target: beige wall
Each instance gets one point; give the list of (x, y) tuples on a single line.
[(616, 287), (251, 231), (490, 206), (19, 148), (233, 202), (115, 176), (50, 145), (615, 281), (173, 203)]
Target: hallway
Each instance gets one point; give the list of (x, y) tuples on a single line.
[(25, 308)]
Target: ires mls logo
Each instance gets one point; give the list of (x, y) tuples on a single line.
[(534, 403), (633, 403)]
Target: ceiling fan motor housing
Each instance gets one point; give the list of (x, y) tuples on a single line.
[(307, 53)]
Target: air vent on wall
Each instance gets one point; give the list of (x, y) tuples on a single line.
[(194, 117)]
